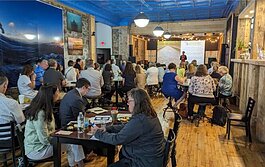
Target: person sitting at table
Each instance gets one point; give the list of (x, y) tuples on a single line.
[(225, 82), (26, 82), (142, 138), (151, 78), (52, 76), (71, 73), (40, 124), (108, 87), (190, 71), (39, 71), (215, 75), (140, 79), (181, 70), (94, 77), (128, 79), (10, 109), (201, 89), (170, 84)]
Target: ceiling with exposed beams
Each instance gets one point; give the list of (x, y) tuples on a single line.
[(122, 12)]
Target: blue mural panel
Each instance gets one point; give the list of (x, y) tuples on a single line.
[(29, 30)]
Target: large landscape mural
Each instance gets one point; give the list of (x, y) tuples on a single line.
[(29, 30)]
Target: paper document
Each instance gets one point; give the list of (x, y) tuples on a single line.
[(97, 110), (63, 132)]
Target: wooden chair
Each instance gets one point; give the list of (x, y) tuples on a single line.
[(20, 128), (242, 120), (7, 142), (169, 147)]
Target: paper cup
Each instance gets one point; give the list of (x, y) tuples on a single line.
[(21, 99)]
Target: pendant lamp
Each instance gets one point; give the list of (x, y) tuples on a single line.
[(141, 20), (158, 31)]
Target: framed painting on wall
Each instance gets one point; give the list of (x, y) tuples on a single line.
[(74, 22), (75, 46)]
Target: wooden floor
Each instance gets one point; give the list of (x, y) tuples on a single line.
[(203, 146)]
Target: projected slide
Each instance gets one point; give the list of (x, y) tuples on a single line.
[(194, 50), (168, 52)]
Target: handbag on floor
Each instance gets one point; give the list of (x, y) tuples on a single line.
[(183, 110), (219, 116)]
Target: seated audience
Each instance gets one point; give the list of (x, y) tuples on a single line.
[(213, 63), (128, 79), (116, 69), (78, 64), (26, 82), (97, 66), (181, 70), (225, 83), (39, 71), (194, 62), (52, 76), (141, 138), (201, 89), (94, 77), (214, 74), (40, 124), (161, 73), (170, 82), (140, 79), (151, 77), (191, 71), (71, 73), (108, 86), (10, 109)]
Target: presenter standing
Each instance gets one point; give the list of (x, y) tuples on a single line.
[(183, 57)]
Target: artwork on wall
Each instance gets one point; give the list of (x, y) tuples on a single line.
[(29, 36), (74, 22), (75, 46)]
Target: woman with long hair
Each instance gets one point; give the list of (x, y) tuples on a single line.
[(108, 87), (40, 124), (128, 79), (201, 89), (141, 138), (26, 82)]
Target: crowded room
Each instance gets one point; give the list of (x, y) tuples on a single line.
[(132, 83)]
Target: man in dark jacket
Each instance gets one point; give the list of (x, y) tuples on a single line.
[(72, 103)]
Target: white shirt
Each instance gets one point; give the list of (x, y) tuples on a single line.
[(70, 74), (161, 73), (152, 76), (10, 110), (116, 70), (96, 81), (24, 88)]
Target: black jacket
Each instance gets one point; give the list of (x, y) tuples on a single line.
[(141, 138), (71, 104)]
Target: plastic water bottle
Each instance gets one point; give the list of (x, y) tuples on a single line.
[(80, 122)]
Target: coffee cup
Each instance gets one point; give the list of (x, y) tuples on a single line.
[(114, 115), (21, 99)]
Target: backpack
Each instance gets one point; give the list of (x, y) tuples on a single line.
[(219, 116)]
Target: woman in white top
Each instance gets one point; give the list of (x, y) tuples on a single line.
[(201, 89), (140, 77), (26, 82), (71, 73), (151, 77)]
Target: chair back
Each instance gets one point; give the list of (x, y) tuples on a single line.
[(177, 121), (7, 140), (169, 146), (20, 129), (250, 107)]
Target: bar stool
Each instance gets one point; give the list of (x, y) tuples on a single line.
[(200, 114), (169, 106)]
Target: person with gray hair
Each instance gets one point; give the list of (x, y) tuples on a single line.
[(94, 77), (10, 109), (225, 83)]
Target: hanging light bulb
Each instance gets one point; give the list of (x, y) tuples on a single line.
[(158, 31), (167, 35), (141, 20)]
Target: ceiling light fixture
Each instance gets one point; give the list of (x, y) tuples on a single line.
[(167, 35), (158, 31), (141, 20)]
